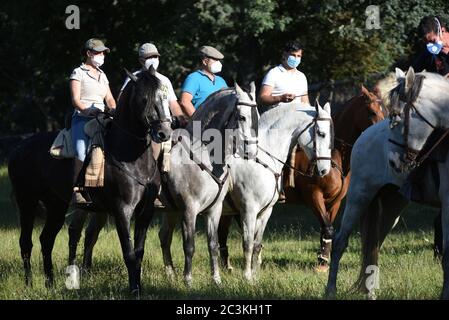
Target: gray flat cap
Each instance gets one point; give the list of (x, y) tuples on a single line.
[(148, 50), (211, 52), (96, 45)]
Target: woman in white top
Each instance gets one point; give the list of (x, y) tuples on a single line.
[(89, 89), (285, 83)]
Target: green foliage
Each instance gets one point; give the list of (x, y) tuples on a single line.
[(38, 53)]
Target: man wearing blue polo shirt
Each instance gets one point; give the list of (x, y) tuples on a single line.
[(203, 82)]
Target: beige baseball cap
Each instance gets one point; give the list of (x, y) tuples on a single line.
[(211, 52), (148, 50), (96, 45)]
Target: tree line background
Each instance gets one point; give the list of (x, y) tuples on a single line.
[(38, 52)]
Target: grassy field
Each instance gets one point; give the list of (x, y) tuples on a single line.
[(408, 270)]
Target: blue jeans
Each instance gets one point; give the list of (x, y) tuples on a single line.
[(79, 138)]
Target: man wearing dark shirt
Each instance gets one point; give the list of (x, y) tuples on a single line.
[(435, 58)]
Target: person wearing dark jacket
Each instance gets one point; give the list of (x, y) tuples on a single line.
[(435, 58)]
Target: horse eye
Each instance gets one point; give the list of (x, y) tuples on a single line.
[(321, 134), (242, 118)]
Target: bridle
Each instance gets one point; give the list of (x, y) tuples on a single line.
[(312, 162), (411, 155)]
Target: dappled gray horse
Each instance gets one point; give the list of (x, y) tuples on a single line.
[(198, 180), (379, 169), (256, 183)]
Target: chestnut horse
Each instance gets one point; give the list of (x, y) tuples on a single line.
[(324, 194)]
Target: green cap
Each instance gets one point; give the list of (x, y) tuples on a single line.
[(96, 45)]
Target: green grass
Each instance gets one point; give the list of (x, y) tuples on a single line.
[(408, 270)]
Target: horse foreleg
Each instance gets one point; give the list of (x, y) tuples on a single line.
[(212, 221), (142, 222), (223, 233), (75, 228), (96, 223), (169, 220), (55, 220), (355, 207), (261, 223), (188, 237), (249, 228), (122, 223), (320, 211)]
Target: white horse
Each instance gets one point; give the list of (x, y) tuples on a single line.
[(378, 170), (197, 180), (255, 184)]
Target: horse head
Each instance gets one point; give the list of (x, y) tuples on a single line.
[(248, 120), (420, 104), (319, 140), (371, 110), (148, 103)]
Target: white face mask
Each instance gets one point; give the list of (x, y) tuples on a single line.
[(97, 60), (216, 67), (151, 62)]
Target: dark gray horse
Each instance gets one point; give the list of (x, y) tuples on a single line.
[(131, 176)]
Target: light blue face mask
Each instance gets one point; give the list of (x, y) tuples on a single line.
[(293, 62), (435, 47)]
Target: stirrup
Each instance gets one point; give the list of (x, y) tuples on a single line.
[(80, 198)]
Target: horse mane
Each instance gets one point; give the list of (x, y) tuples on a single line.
[(270, 118), (151, 82), (398, 92), (208, 110)]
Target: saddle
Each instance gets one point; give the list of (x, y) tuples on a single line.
[(93, 169)]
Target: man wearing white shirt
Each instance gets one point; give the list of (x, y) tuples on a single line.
[(285, 83)]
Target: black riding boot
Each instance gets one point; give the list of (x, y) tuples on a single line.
[(79, 197)]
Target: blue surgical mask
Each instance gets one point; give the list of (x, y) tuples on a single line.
[(293, 62), (435, 47)]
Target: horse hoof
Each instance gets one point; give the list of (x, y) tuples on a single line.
[(188, 281), (371, 295), (229, 268), (135, 293), (49, 283), (330, 293), (170, 273), (321, 268), (217, 280)]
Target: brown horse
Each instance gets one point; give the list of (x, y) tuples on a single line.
[(324, 194)]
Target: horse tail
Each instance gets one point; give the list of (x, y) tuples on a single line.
[(369, 229)]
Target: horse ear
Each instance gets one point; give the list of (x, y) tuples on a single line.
[(327, 108), (317, 105), (238, 90), (409, 79), (252, 89), (364, 90), (151, 70), (399, 74), (130, 75)]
